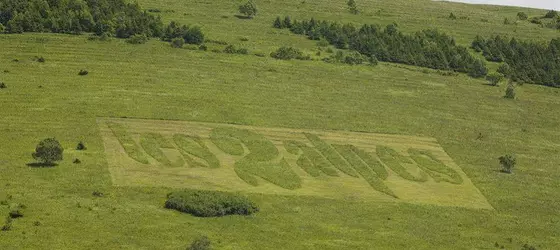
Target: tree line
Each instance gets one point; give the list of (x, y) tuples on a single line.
[(117, 18), (428, 48), (523, 61)]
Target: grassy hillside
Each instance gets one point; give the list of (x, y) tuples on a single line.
[(470, 120)]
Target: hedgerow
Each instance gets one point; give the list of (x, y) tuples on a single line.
[(203, 203)]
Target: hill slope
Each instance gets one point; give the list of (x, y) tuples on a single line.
[(468, 119)]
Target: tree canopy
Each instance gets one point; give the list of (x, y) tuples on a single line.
[(530, 62), (428, 48)]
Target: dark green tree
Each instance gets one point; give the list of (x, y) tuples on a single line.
[(352, 7), (248, 9), (278, 23), (508, 163), (522, 16), (48, 151), (510, 91)]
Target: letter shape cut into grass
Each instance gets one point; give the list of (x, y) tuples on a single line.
[(395, 161), (331, 154), (310, 160), (128, 144), (152, 144), (435, 168), (191, 145), (260, 159), (359, 164)]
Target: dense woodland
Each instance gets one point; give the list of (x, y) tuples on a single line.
[(524, 61), (428, 48), (117, 18)]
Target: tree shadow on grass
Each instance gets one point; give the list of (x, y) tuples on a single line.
[(41, 165), (242, 17)]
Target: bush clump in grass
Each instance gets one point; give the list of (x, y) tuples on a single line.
[(3, 85), (288, 53), (83, 72), (137, 39), (40, 59), (230, 49), (7, 225), (81, 146), (508, 163), (201, 243), (203, 203), (177, 42), (76, 161), (15, 213)]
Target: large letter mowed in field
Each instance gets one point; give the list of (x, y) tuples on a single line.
[(331, 164)]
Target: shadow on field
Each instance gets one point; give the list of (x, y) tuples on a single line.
[(242, 17), (41, 165)]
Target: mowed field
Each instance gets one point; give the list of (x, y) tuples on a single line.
[(470, 121)]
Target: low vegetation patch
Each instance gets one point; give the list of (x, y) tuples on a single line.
[(230, 49), (203, 203), (190, 145), (331, 154), (288, 53), (395, 161), (130, 147)]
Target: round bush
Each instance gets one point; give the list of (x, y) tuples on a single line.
[(203, 203)]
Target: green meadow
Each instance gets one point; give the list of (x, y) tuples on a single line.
[(468, 120)]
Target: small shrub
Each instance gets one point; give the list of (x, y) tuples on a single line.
[(506, 21), (522, 16), (244, 39), (97, 194), (201, 243), (536, 20), (154, 10), (203, 47), (40, 59), (508, 163), (278, 23), (230, 49), (15, 213), (177, 42), (7, 225), (452, 16), (83, 72), (76, 161), (137, 39), (528, 247), (510, 91), (260, 54), (36, 223), (3, 85), (216, 51), (287, 53), (81, 146), (203, 203), (484, 20)]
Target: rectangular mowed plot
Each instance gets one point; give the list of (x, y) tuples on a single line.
[(331, 164)]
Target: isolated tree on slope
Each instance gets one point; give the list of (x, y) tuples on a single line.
[(48, 151), (353, 7), (248, 9)]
